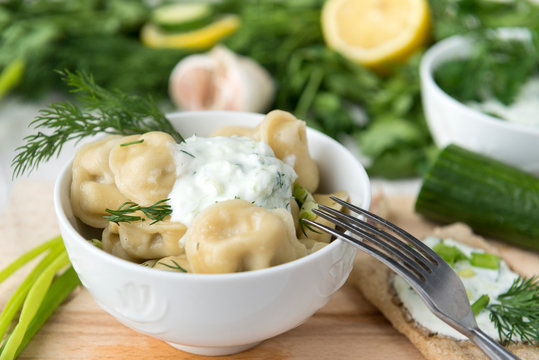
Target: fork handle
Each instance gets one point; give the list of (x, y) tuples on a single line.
[(492, 348)]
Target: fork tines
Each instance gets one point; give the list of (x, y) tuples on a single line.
[(387, 242)]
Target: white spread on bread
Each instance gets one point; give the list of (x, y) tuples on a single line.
[(479, 281)]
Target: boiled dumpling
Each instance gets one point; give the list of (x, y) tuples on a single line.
[(110, 239), (143, 240), (144, 172), (287, 136), (235, 235), (92, 182)]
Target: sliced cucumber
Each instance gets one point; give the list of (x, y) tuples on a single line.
[(305, 201), (183, 16)]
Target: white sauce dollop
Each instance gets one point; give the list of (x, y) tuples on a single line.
[(209, 170), (485, 281), (523, 110)]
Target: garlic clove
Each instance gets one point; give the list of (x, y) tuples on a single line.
[(221, 80), (191, 83)]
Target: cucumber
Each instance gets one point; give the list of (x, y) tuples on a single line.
[(305, 201), (182, 17), (494, 199)]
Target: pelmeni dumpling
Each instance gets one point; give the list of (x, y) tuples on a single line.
[(110, 239), (287, 136), (143, 240), (235, 235), (144, 171), (92, 182)]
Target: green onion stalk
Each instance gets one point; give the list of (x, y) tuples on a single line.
[(38, 295)]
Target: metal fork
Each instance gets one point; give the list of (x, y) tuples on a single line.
[(429, 275)]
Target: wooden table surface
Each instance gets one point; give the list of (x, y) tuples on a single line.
[(346, 328)]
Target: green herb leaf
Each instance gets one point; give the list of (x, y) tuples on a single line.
[(175, 265), (497, 68), (102, 111), (132, 143), (517, 314), (187, 153), (156, 212), (303, 225)]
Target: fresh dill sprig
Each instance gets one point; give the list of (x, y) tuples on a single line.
[(517, 314), (303, 225), (176, 266), (100, 111), (156, 212)]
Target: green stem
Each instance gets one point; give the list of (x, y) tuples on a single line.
[(60, 289), (309, 93), (18, 297), (31, 305), (10, 76), (23, 259)]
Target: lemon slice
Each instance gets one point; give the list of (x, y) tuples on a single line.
[(202, 38), (376, 32)]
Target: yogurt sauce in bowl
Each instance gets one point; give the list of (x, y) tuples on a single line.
[(210, 170)]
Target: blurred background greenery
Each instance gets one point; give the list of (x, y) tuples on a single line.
[(381, 113)]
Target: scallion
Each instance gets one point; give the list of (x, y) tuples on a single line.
[(484, 260), (480, 304), (31, 305)]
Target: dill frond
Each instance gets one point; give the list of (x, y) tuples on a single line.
[(100, 111), (156, 212), (518, 311)]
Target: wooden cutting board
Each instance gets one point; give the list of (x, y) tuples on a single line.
[(346, 328)]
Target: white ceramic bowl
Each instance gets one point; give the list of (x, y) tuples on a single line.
[(221, 313), (450, 121)]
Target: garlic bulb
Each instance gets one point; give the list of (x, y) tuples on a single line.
[(221, 80)]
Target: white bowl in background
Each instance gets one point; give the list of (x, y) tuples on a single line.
[(451, 121), (219, 314)]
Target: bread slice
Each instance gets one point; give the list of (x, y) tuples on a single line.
[(374, 280)]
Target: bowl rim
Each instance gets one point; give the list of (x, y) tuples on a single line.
[(63, 179), (443, 51)]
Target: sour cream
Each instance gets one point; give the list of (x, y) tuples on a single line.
[(484, 281), (523, 110), (210, 170)]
